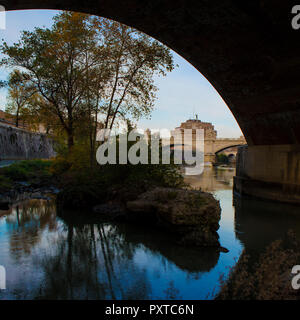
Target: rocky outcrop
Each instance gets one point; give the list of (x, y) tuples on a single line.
[(192, 215)]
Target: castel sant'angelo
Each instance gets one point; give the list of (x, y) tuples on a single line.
[(212, 144)]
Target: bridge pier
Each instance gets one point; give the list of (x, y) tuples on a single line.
[(210, 158), (269, 172)]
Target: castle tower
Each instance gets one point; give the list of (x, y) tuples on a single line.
[(209, 130)]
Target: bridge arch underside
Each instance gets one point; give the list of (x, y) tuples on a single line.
[(250, 54), (228, 151), (228, 147)]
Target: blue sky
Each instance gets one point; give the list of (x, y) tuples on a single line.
[(182, 93)]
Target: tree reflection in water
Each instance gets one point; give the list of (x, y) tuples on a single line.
[(26, 222), (50, 257), (92, 262)]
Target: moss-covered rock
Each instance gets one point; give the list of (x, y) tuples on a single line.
[(192, 214)]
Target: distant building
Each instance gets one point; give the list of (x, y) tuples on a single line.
[(212, 144), (209, 129)]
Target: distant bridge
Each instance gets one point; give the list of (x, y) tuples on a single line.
[(215, 146)]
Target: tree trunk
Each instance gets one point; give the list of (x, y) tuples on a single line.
[(17, 118), (70, 130), (70, 139)]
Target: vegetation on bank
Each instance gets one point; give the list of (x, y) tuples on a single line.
[(35, 172), (88, 187), (85, 186), (82, 74), (84, 183), (267, 279)]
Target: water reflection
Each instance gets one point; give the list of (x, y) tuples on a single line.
[(258, 222), (92, 262), (50, 258), (213, 179), (80, 257), (191, 260), (25, 223)]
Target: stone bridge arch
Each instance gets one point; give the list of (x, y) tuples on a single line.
[(246, 49), (227, 150), (214, 146), (249, 52), (228, 147)]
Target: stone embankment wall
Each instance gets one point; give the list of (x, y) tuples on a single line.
[(18, 144)]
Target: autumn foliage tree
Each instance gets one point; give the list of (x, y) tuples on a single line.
[(89, 69), (20, 96), (50, 59)]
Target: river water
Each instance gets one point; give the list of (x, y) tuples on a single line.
[(47, 257)]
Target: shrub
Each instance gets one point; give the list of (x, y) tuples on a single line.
[(59, 166), (81, 189), (29, 170), (5, 183), (89, 186), (269, 278), (84, 184)]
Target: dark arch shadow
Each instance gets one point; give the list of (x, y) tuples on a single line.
[(233, 146), (247, 50)]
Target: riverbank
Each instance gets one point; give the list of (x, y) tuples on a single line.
[(121, 260), (26, 179), (6, 163), (136, 194), (266, 277), (129, 260)]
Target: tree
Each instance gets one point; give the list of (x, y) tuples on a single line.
[(126, 87), (37, 117), (135, 58), (51, 58), (86, 67), (20, 94)]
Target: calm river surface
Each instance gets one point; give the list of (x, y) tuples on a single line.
[(46, 257)]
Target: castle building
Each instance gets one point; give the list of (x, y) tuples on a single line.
[(209, 129), (212, 144)]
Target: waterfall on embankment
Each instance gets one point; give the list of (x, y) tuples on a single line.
[(18, 144)]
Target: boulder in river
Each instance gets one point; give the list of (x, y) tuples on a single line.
[(193, 215), (111, 211)]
